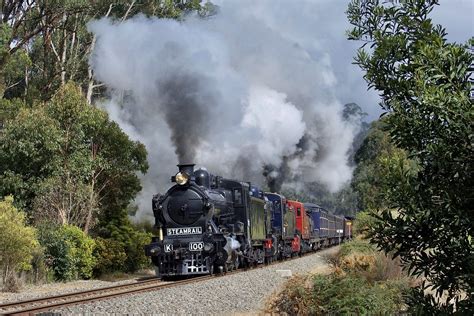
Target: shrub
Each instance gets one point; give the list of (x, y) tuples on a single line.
[(17, 242), (360, 257), (12, 284), (109, 255), (339, 294), (134, 248), (356, 246), (352, 294), (68, 251), (365, 281), (364, 223), (40, 272)]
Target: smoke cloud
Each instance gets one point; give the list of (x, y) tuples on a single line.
[(249, 93)]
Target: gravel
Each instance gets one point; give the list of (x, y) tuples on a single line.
[(240, 293), (37, 291)]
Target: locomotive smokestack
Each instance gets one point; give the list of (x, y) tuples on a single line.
[(186, 168)]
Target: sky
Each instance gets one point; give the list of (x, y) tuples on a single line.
[(457, 17)]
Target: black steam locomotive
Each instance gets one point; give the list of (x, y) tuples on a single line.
[(208, 224)]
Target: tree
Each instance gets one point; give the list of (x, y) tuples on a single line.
[(378, 162), (28, 154), (17, 241), (47, 42), (423, 82), (66, 161)]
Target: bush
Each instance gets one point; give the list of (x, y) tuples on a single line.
[(17, 242), (68, 251), (364, 224), (339, 294), (109, 255), (360, 257), (12, 284), (134, 248), (352, 294), (364, 281), (356, 246), (40, 272)]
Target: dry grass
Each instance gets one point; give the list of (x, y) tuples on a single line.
[(360, 279), (12, 284)]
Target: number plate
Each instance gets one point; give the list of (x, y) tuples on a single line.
[(196, 246)]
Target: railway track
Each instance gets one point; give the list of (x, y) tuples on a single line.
[(44, 304), (30, 307)]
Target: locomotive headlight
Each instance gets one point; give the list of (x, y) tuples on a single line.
[(181, 178), (155, 250)]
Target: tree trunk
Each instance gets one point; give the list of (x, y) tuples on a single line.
[(90, 72), (91, 207), (64, 52)]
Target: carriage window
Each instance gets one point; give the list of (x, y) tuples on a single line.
[(298, 211), (238, 196), (277, 206)]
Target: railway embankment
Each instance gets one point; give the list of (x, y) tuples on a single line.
[(362, 280), (239, 293)]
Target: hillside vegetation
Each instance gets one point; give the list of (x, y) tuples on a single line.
[(363, 281), (68, 173)]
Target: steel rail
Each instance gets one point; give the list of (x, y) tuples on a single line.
[(28, 307)]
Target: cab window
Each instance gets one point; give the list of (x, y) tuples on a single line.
[(298, 211)]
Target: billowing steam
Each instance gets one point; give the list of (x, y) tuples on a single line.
[(186, 109), (249, 93)]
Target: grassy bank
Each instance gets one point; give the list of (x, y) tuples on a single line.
[(363, 281)]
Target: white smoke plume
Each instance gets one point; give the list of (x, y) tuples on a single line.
[(251, 86)]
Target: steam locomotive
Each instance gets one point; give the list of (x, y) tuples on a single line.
[(208, 224)]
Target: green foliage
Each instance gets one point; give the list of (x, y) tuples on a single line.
[(364, 282), (379, 164), (364, 224), (340, 295), (18, 242), (45, 44), (69, 252), (61, 158), (110, 256), (356, 246), (134, 248), (424, 82), (28, 149), (351, 294)]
